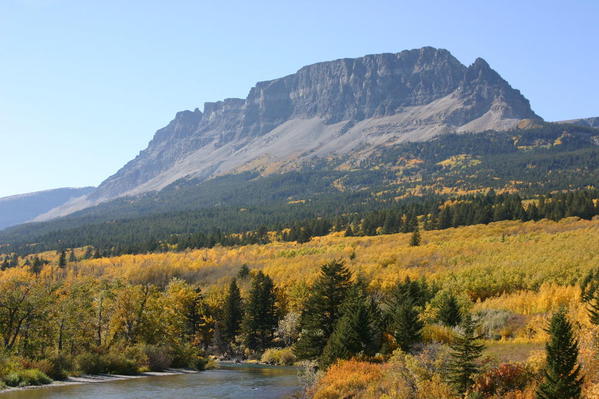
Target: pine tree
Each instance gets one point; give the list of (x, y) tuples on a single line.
[(562, 378), (232, 313), (416, 238), (466, 351), (323, 309), (406, 326), (449, 311), (260, 318), (62, 259), (356, 332), (72, 257)]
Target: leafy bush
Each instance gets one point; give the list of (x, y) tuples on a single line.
[(503, 379), (159, 358), (27, 377), (90, 363), (55, 367), (437, 333), (281, 357), (115, 363), (498, 323), (112, 363)]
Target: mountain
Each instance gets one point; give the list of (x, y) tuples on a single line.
[(22, 208), (347, 108), (587, 122)]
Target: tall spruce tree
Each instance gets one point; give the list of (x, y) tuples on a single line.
[(323, 309), (232, 313), (449, 311), (260, 318), (466, 351), (406, 326), (562, 379), (416, 238), (62, 259), (356, 332)]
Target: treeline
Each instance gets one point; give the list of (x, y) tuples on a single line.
[(431, 214)]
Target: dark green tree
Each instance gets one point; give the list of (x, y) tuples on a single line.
[(449, 311), (562, 379), (406, 326), (323, 309), (232, 313), (260, 317), (356, 332), (466, 350), (72, 257), (62, 259), (415, 239)]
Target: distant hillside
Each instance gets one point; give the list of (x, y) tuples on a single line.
[(22, 208), (587, 122), (544, 159)]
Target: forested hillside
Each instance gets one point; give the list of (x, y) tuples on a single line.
[(532, 161)]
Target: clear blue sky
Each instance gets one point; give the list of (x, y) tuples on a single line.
[(84, 84)]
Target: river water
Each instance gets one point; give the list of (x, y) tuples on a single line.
[(225, 382)]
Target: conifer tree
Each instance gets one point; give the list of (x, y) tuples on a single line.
[(416, 238), (466, 351), (72, 257), (232, 313), (260, 318), (406, 325), (355, 332), (449, 311), (62, 259), (562, 379), (323, 309)]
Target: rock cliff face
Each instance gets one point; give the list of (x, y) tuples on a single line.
[(336, 108)]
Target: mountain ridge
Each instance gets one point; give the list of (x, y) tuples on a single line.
[(332, 108)]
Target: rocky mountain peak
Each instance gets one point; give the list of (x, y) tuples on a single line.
[(333, 108)]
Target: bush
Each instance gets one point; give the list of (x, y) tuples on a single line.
[(115, 363), (159, 358), (503, 379), (90, 363), (55, 367), (437, 333), (27, 377), (281, 357), (112, 363), (498, 323)]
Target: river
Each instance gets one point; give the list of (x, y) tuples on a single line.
[(225, 382)]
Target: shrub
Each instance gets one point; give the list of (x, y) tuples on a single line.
[(90, 363), (503, 379), (281, 357), (27, 377), (437, 333), (184, 355), (55, 366), (115, 363), (159, 358), (498, 323), (348, 379)]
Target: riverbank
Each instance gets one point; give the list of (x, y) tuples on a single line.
[(94, 379)]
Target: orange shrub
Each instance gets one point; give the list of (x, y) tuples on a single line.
[(348, 378)]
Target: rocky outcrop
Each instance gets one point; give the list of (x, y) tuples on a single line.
[(330, 108)]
